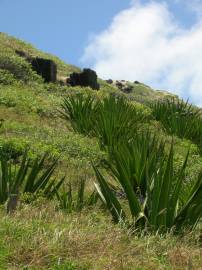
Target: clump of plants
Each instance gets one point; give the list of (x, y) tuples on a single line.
[(151, 187), (30, 176), (108, 119), (116, 119), (143, 172), (80, 110), (179, 118)]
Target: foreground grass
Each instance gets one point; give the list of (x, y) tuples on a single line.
[(38, 237)]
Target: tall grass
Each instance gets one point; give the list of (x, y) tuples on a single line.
[(71, 200)]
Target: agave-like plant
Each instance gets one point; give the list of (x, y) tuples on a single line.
[(108, 119), (70, 200), (116, 119), (160, 209), (80, 110), (179, 118), (134, 160), (28, 177)]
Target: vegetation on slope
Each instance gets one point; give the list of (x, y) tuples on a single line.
[(9, 45), (131, 150)]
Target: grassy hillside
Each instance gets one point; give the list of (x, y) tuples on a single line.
[(40, 235)]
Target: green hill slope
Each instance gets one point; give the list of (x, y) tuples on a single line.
[(29, 107), (39, 235)]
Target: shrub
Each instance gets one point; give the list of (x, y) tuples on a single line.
[(12, 148), (6, 77), (19, 67)]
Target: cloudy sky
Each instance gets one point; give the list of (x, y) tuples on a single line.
[(152, 43), (155, 42)]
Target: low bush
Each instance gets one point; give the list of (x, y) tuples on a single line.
[(19, 67), (12, 148), (6, 77)]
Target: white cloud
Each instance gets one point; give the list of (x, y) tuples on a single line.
[(145, 43)]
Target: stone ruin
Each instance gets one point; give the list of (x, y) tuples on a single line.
[(87, 77), (46, 68)]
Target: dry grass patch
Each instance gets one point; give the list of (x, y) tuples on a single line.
[(40, 237)]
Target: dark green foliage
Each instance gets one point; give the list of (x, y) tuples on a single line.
[(179, 118), (160, 207), (28, 177), (75, 201)]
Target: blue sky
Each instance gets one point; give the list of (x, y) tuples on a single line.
[(63, 27), (60, 27), (156, 42)]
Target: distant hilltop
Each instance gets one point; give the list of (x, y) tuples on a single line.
[(28, 64)]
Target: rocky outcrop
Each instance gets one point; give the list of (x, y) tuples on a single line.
[(109, 81), (122, 85), (87, 77)]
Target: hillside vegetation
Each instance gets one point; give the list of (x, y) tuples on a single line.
[(95, 179)]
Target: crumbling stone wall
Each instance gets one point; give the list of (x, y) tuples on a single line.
[(87, 77), (46, 68)]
